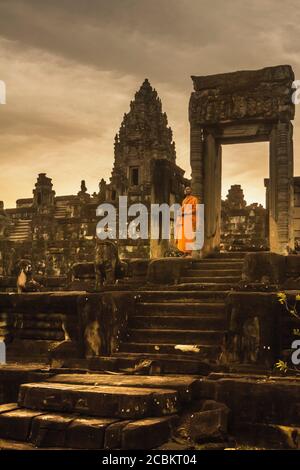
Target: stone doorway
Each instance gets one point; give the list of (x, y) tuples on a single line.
[(244, 214), (244, 107)]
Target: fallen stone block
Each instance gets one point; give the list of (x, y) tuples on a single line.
[(208, 423)]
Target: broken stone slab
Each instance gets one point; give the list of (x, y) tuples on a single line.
[(16, 424), (147, 433), (207, 421), (186, 386), (50, 430), (103, 401), (87, 433)]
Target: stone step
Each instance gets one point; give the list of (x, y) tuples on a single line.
[(101, 401), (195, 284), (191, 277), (159, 363), (51, 324), (217, 264), (16, 424), (210, 322), (206, 351), (229, 255), (182, 295), (43, 334), (9, 444), (160, 336), (20, 230), (61, 431), (186, 387), (179, 308), (214, 272), (19, 236), (31, 350)]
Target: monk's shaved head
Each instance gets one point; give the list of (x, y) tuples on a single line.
[(187, 190)]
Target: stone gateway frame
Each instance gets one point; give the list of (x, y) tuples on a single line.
[(244, 106)]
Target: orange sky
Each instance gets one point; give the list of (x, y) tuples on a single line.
[(71, 68)]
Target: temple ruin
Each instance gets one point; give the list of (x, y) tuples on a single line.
[(55, 232), (170, 352), (247, 106)]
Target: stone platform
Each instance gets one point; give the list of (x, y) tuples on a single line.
[(96, 411), (106, 411)]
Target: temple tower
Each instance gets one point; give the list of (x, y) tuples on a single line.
[(43, 194), (145, 167), (144, 135)]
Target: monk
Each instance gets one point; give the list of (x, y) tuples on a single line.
[(186, 222)]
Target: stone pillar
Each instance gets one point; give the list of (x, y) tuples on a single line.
[(197, 161), (212, 194), (281, 188)]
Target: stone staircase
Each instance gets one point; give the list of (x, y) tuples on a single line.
[(21, 231), (96, 411), (186, 327), (176, 324), (61, 210), (223, 271)]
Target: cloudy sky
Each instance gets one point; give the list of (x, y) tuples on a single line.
[(71, 68)]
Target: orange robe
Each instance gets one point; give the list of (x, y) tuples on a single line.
[(186, 221)]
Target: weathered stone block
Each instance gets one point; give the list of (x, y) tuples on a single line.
[(113, 435), (264, 267), (104, 401), (16, 424), (209, 423), (138, 268), (83, 271), (166, 270), (8, 407), (87, 433), (271, 436), (147, 433), (260, 400), (186, 386), (254, 326), (50, 430)]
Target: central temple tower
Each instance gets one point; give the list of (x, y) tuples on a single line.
[(145, 167)]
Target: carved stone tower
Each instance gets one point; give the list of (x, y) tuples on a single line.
[(144, 135), (43, 194), (145, 167)]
